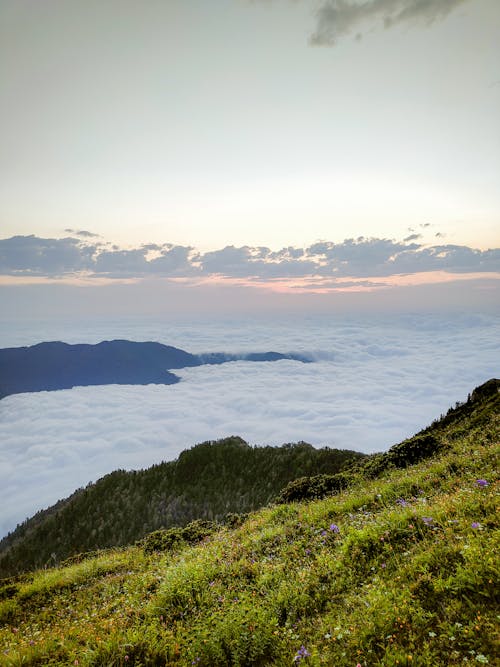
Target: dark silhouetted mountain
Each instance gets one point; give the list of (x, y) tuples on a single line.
[(222, 357), (56, 365)]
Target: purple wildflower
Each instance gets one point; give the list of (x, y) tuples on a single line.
[(334, 528), (475, 524), (324, 533), (481, 482), (402, 502), (301, 653), (427, 520)]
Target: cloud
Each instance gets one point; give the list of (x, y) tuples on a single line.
[(375, 382), (359, 257), (353, 258), (36, 256), (32, 255), (82, 232), (338, 18), (258, 263)]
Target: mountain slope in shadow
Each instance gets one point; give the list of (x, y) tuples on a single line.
[(55, 365)]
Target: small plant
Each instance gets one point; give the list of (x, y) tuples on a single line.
[(166, 540)]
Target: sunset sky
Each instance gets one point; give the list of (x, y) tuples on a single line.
[(303, 146)]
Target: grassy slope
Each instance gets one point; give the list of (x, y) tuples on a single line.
[(410, 579)]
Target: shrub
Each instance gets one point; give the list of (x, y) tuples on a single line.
[(405, 453), (234, 520), (166, 540), (310, 488)]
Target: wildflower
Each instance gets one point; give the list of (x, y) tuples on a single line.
[(427, 520), (324, 533), (481, 483), (383, 565), (475, 524), (334, 528), (481, 658), (432, 634), (402, 502), (301, 653)]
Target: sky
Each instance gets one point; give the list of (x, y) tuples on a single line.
[(306, 154)]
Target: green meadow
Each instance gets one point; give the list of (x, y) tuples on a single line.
[(400, 567)]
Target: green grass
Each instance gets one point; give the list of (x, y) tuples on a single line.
[(410, 578)]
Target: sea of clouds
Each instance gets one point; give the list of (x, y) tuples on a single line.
[(374, 382)]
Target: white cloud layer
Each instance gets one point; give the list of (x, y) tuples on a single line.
[(374, 383)]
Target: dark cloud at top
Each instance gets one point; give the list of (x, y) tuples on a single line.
[(337, 18), (353, 258), (82, 232)]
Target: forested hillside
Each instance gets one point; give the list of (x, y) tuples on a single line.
[(398, 569), (205, 482)]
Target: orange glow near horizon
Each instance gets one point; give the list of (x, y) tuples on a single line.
[(304, 285)]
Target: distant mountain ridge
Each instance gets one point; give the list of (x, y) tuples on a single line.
[(51, 366)]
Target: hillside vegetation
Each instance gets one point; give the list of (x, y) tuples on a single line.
[(206, 482), (399, 567)]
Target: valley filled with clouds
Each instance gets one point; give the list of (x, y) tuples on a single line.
[(374, 382)]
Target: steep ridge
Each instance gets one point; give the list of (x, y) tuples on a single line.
[(399, 568), (205, 482)]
